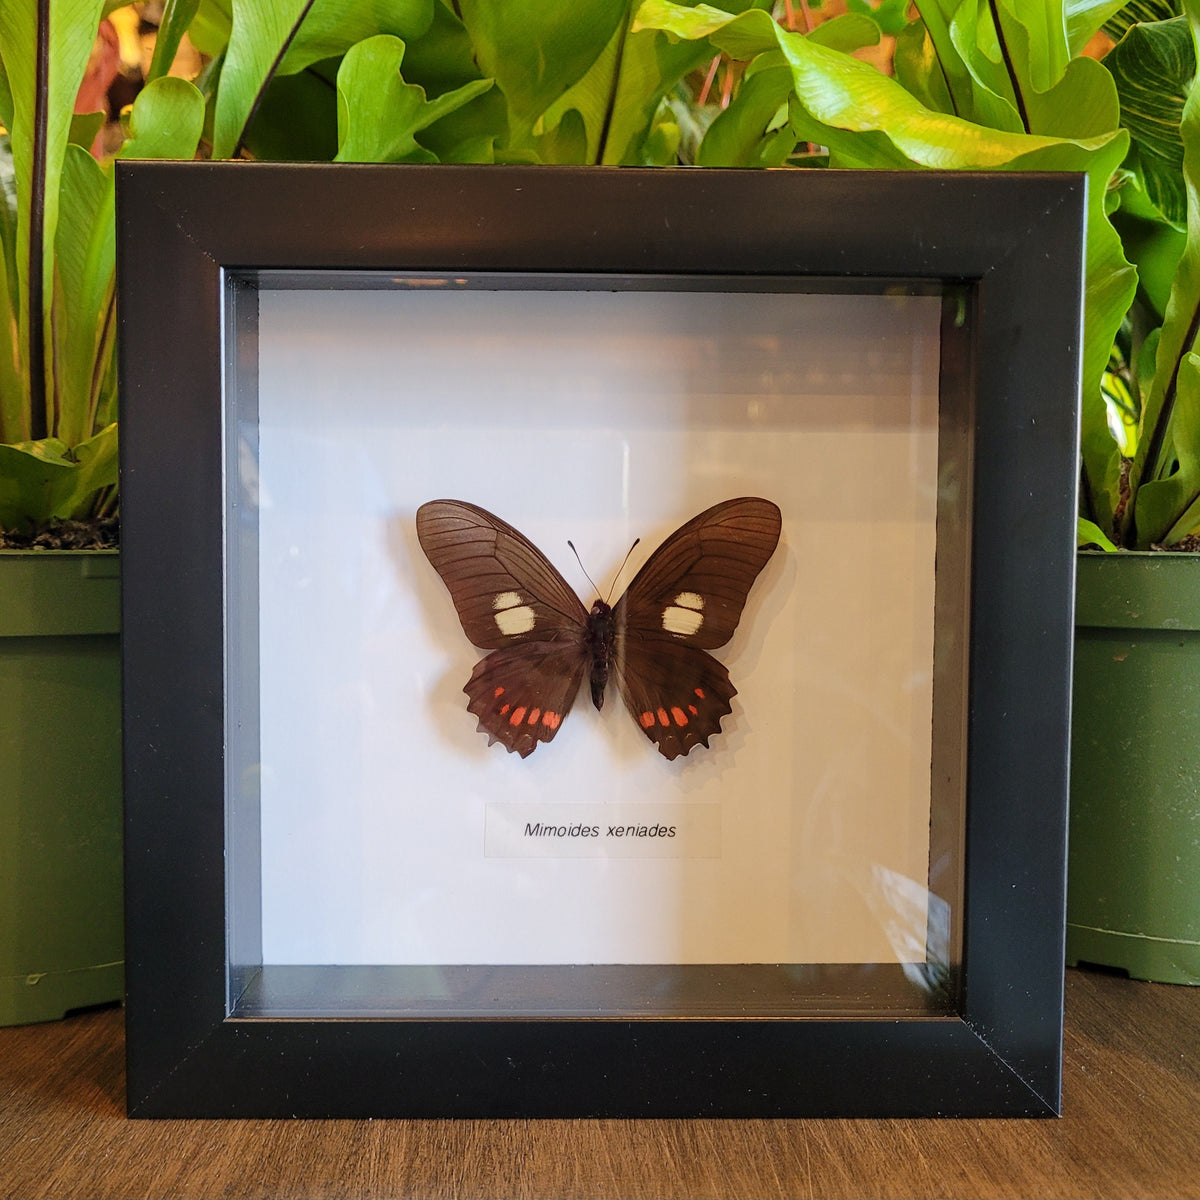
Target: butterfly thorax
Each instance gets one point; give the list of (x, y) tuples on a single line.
[(601, 628)]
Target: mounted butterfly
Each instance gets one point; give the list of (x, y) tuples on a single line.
[(686, 600)]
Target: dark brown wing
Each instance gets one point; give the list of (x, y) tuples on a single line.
[(505, 590), (511, 600), (522, 693), (694, 586), (686, 600), (676, 693)]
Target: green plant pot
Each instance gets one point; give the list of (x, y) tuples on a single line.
[(61, 944), (1134, 862)]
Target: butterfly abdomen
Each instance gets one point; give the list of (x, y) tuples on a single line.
[(600, 631)]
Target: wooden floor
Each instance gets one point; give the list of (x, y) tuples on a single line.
[(1132, 1128)]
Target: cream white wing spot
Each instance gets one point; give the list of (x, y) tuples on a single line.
[(512, 617), (686, 616)]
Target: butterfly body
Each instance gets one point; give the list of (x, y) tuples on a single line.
[(601, 636), (686, 600)]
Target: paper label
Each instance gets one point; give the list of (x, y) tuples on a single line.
[(602, 830)]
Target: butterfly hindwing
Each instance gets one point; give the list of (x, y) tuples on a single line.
[(505, 590), (694, 586), (522, 693), (676, 693)]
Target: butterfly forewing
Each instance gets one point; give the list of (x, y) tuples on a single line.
[(504, 588), (694, 586)]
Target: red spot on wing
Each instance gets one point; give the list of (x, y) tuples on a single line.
[(663, 719), (679, 716), (498, 693), (504, 708), (646, 720), (699, 692), (551, 720), (693, 710), (518, 715), (534, 714)]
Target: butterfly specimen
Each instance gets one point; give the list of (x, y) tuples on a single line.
[(686, 600)]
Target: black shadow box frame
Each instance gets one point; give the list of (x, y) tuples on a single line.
[(214, 1032)]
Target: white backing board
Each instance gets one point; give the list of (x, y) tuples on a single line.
[(391, 832)]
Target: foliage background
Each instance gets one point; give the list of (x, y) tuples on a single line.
[(1068, 85)]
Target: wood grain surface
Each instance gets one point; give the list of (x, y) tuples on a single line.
[(1131, 1129)]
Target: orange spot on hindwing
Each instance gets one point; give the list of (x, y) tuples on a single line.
[(679, 716), (646, 720), (663, 719), (551, 720), (534, 714), (498, 693), (518, 715), (699, 692)]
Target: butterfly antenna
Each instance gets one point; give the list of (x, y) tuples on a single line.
[(582, 567), (619, 569), (628, 552)]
